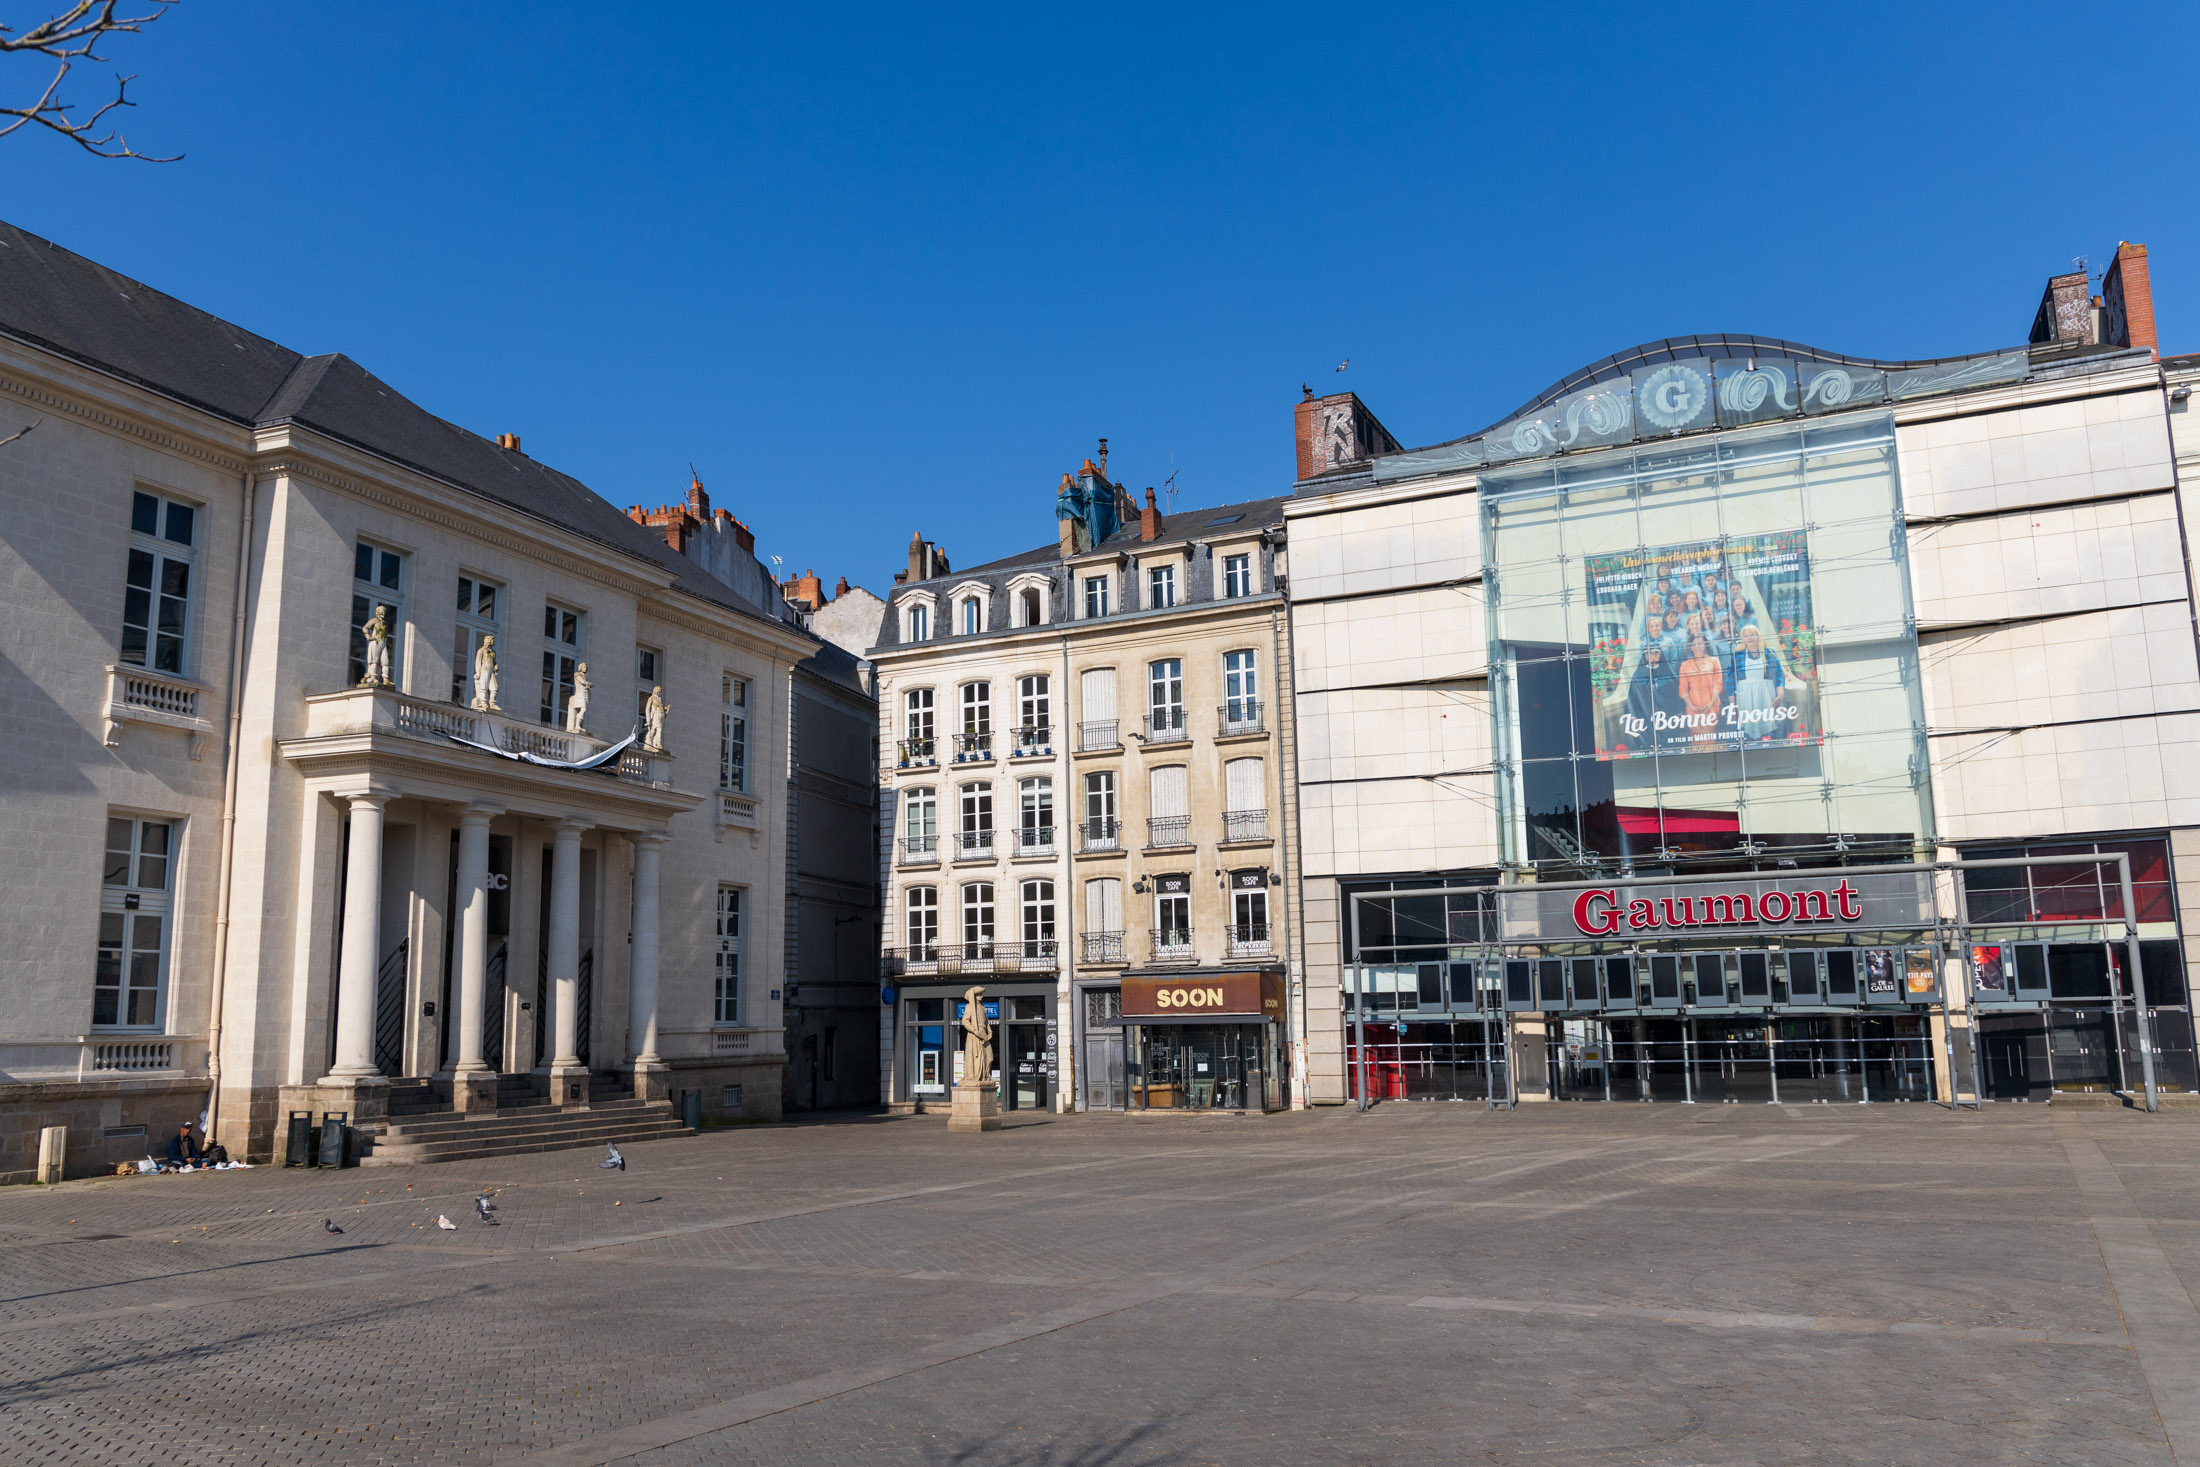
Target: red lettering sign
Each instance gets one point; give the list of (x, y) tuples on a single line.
[(1601, 912)]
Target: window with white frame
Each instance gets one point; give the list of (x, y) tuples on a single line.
[(649, 674), (1096, 595), (156, 594), (1240, 689), (1172, 915), (1035, 815), (920, 822), (977, 709), (1160, 587), (1249, 912), (1029, 606), (921, 923), (1034, 710), (563, 651), (977, 820), (733, 733), (977, 914), (917, 619), (134, 910), (1165, 698), (1038, 917), (1237, 576), (1100, 832), (480, 605), (972, 614), (728, 1006), (377, 579)]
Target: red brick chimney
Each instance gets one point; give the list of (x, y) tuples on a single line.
[(841, 589), (509, 441), (2127, 301), (807, 589), (2066, 311), (1149, 518)]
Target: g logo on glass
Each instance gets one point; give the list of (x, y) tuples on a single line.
[(1673, 396)]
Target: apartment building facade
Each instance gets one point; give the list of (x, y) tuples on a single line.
[(1091, 811)]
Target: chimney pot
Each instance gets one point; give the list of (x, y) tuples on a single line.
[(508, 441)]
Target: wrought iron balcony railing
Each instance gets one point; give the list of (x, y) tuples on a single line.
[(1166, 831)]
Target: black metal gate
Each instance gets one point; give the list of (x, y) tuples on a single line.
[(389, 1012)]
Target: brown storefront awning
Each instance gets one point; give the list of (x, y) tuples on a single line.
[(1230, 997)]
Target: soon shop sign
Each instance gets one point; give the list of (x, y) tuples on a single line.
[(1869, 901)]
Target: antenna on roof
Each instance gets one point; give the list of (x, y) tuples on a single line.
[(1168, 488)]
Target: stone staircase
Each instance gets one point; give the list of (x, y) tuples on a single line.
[(414, 1136)]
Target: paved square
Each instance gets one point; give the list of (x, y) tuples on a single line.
[(1628, 1284)]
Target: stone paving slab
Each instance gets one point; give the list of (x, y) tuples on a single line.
[(1421, 1283)]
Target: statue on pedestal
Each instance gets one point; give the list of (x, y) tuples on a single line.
[(576, 707), (653, 720), (977, 1106), (485, 675), (977, 1040), (377, 632)]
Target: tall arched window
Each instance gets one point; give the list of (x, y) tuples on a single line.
[(973, 616)]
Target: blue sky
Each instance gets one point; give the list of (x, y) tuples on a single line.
[(876, 270)]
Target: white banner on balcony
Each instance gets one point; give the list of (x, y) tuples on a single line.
[(593, 761)]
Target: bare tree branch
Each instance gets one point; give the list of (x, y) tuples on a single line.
[(4, 442), (66, 39)]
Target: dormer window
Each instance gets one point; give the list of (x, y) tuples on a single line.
[(973, 616), (1030, 601), (916, 617)]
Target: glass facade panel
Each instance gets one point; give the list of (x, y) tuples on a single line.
[(1707, 651)]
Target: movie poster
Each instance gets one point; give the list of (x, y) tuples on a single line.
[(1703, 647)]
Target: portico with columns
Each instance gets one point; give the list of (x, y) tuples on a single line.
[(578, 896)]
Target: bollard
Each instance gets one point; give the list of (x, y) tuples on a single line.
[(53, 1144), (332, 1137), (300, 1150)]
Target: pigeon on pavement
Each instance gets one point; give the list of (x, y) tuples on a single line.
[(485, 1209), (445, 1223), (330, 1227), (613, 1162)]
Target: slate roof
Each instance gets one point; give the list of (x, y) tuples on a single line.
[(77, 308)]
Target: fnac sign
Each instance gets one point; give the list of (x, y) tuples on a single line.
[(1602, 912)]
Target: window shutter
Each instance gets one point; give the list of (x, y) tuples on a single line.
[(1104, 905), (1244, 785), (1170, 796), (1100, 695)]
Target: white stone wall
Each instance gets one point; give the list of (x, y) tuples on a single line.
[(65, 492), (2055, 623)]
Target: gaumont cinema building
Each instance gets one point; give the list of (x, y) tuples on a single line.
[(1741, 720)]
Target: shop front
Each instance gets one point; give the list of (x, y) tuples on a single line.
[(1204, 1041), (1025, 1044)]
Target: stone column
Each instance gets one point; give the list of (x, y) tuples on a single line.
[(568, 1076), (473, 1083), (652, 1076), (357, 1085)]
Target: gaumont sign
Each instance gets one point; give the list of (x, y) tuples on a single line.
[(1867, 901), (1229, 997)]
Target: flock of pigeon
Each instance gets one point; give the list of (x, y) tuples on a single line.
[(487, 1210)]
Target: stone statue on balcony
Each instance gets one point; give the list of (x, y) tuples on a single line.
[(576, 707), (653, 720), (377, 632), (485, 675)]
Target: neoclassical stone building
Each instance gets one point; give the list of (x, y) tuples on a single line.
[(240, 865)]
